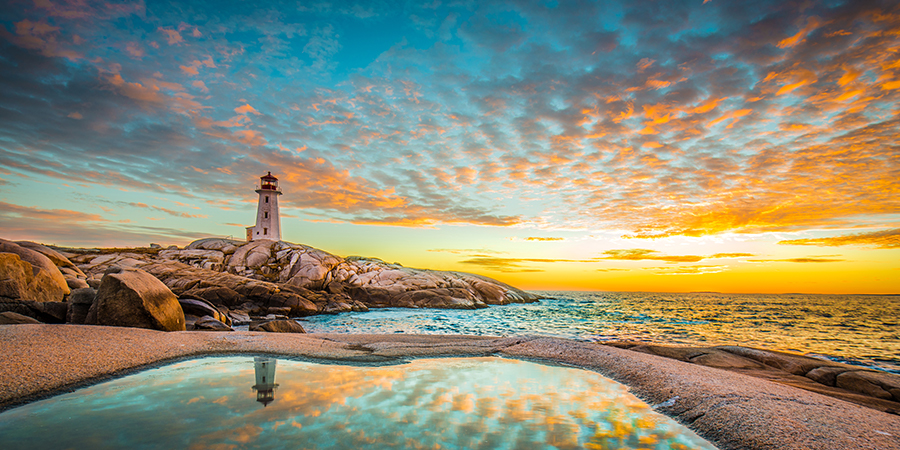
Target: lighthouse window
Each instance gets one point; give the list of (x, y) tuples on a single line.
[(265, 231), (267, 199), (266, 215)]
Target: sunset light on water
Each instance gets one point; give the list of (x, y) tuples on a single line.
[(618, 146)]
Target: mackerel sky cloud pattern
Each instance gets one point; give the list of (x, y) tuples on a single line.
[(638, 119)]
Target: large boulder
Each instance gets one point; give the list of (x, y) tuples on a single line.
[(130, 297), (21, 281), (278, 326), (40, 264), (79, 305)]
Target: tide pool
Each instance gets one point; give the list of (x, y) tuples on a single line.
[(245, 402)]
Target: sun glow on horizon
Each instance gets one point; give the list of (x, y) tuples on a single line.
[(625, 146)]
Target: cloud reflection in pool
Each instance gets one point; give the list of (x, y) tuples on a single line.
[(213, 403)]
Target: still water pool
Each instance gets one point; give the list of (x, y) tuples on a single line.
[(244, 402)]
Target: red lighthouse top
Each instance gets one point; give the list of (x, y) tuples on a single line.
[(268, 182)]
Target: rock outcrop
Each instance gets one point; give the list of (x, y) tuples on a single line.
[(348, 284), (278, 326), (875, 389), (74, 277), (227, 280), (134, 298), (12, 318), (207, 323), (27, 275)]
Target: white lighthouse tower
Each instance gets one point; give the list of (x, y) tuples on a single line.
[(268, 221)]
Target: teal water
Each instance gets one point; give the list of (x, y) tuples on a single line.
[(452, 403), (856, 329)]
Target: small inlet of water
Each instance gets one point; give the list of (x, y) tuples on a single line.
[(448, 403)]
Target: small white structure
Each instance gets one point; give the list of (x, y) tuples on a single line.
[(265, 380), (268, 221)]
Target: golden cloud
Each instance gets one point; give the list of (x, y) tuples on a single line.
[(878, 239)]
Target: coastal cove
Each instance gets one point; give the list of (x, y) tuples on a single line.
[(730, 410)]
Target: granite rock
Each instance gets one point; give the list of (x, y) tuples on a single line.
[(134, 298), (12, 318), (278, 326)]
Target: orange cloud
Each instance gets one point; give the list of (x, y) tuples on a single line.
[(173, 37), (132, 49), (39, 36), (189, 70), (878, 239), (246, 109), (50, 215), (811, 24)]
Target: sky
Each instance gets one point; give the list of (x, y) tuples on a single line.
[(703, 145)]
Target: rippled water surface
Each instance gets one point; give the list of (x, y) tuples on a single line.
[(243, 402), (858, 329)]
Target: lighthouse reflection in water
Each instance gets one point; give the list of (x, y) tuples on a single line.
[(265, 379), (450, 403)]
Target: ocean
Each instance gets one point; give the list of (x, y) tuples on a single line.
[(855, 329)]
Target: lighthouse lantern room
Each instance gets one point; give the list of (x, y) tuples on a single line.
[(268, 221)]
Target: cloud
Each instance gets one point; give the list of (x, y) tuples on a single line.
[(687, 270), (460, 251), (639, 254), (544, 239), (683, 121), (168, 211), (11, 211), (246, 109), (515, 264), (173, 37), (40, 35), (879, 239), (797, 260)]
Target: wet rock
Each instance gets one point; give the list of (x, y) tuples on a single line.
[(207, 323), (278, 326), (134, 298), (12, 318)]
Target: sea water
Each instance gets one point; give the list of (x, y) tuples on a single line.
[(451, 403), (855, 329)]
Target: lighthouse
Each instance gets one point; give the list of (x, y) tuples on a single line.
[(265, 379), (268, 221)]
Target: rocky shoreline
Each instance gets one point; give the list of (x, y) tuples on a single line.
[(146, 300), (215, 283), (731, 410)]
